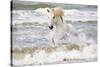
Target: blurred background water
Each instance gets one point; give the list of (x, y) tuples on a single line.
[(30, 23)]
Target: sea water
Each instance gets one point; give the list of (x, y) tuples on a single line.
[(30, 31), (30, 25)]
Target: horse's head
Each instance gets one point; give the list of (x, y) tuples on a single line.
[(53, 15), (52, 18)]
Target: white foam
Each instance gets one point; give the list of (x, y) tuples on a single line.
[(40, 15), (80, 15), (42, 57)]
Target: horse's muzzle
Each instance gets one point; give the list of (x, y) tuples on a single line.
[(50, 27)]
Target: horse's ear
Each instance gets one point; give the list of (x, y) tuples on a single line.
[(48, 10)]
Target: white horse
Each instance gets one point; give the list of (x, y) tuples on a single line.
[(58, 27)]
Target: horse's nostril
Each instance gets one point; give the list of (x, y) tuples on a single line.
[(51, 27)]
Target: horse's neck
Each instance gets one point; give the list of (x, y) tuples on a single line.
[(60, 21), (60, 26)]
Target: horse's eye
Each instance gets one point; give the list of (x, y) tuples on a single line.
[(53, 17)]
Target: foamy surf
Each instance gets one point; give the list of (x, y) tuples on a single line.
[(59, 54)]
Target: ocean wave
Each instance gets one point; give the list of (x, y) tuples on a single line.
[(60, 54), (40, 15), (35, 23), (29, 5), (30, 34)]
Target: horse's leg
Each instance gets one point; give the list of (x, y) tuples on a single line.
[(55, 40), (52, 42)]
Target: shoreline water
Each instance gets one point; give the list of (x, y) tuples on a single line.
[(58, 54), (30, 35)]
